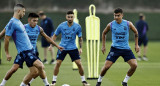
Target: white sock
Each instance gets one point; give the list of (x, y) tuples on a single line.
[(22, 84), (126, 78), (31, 80), (45, 81), (100, 78), (3, 82), (83, 78), (54, 78)]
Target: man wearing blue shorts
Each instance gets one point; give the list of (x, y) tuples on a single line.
[(142, 28), (120, 46), (33, 31), (68, 31), (16, 29)]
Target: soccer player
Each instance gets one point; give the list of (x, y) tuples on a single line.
[(48, 28), (69, 30), (16, 29), (142, 28), (33, 31), (120, 46)]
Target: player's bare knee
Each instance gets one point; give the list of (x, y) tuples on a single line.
[(134, 66), (58, 64)]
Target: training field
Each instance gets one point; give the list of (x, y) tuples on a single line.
[(147, 74)]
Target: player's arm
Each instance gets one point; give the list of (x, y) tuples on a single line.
[(2, 34), (132, 27), (6, 45), (80, 44), (104, 34), (49, 39)]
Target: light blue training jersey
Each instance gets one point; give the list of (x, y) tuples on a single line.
[(33, 34), (16, 29), (120, 34), (68, 35)]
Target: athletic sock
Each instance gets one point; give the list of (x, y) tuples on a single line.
[(126, 78), (54, 78), (22, 84), (100, 78), (83, 78), (3, 82), (45, 81)]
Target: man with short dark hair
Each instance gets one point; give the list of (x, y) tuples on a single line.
[(120, 46), (69, 30)]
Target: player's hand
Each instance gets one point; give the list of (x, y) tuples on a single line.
[(80, 51), (9, 57), (137, 48), (103, 49), (50, 48), (60, 48)]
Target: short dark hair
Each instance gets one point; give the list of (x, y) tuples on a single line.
[(141, 16), (19, 5), (118, 10), (69, 12), (33, 15)]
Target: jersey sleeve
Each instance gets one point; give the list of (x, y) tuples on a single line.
[(79, 33), (9, 29), (58, 30)]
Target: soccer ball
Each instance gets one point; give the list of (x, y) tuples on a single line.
[(65, 85)]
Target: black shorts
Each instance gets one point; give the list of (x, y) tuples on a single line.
[(29, 57), (74, 54), (20, 60), (115, 53), (44, 42), (143, 40)]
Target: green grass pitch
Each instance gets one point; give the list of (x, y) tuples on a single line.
[(147, 73)]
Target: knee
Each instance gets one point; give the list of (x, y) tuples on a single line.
[(134, 66), (41, 67), (58, 64)]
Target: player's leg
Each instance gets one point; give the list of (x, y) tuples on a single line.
[(74, 54), (60, 57), (9, 74), (81, 72), (18, 63), (104, 69), (133, 66), (131, 60), (111, 58), (32, 74), (39, 65)]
